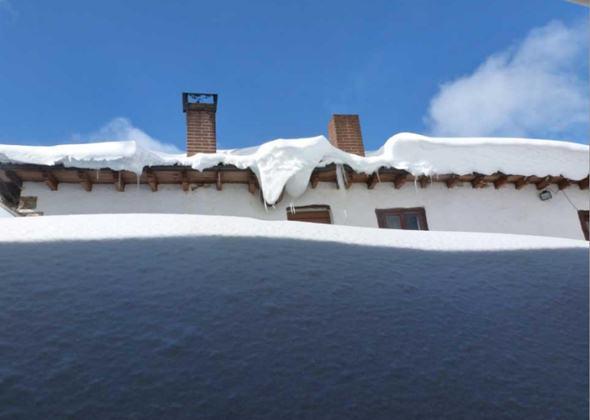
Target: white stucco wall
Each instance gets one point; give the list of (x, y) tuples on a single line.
[(462, 208)]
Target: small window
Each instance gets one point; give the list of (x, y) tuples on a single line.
[(27, 203), (407, 219), (584, 215), (313, 214)]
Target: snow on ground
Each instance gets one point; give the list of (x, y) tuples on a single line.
[(288, 164), (163, 316), (125, 226)]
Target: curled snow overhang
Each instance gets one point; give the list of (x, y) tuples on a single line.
[(289, 165)]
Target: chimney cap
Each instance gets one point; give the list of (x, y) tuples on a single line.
[(199, 101)]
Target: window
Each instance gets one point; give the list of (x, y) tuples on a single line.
[(408, 219), (584, 216), (313, 214)]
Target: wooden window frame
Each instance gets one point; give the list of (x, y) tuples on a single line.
[(583, 215), (310, 208), (382, 213)]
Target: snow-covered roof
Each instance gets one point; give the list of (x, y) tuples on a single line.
[(288, 164)]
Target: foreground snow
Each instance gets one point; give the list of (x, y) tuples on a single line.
[(163, 316), (288, 164), (123, 226)]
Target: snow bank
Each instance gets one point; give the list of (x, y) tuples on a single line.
[(145, 226), (151, 316), (288, 164)]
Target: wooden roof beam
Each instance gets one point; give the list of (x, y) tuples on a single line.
[(544, 183), (372, 180), (501, 181), (314, 179), (564, 183), (478, 181), (252, 184), (85, 180), (452, 181), (424, 180), (50, 180), (583, 184), (347, 178), (152, 179), (184, 181), (400, 180), (521, 182), (219, 182), (118, 180)]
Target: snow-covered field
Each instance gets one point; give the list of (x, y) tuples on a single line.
[(170, 316)]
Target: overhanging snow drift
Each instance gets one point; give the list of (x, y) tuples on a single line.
[(288, 164)]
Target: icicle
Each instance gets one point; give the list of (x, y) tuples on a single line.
[(415, 183), (340, 177), (97, 174), (345, 214), (377, 173), (137, 177)]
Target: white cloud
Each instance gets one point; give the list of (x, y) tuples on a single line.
[(537, 88), (121, 129)]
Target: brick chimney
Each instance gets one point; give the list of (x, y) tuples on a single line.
[(200, 111), (344, 132)]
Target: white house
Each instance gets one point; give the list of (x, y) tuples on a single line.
[(536, 187)]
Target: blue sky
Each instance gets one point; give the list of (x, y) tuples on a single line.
[(86, 70)]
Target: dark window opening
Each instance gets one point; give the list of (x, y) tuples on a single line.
[(407, 219), (584, 215), (312, 214)]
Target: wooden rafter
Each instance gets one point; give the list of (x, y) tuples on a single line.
[(252, 184), (314, 180), (400, 180), (347, 178), (50, 180), (500, 181), (544, 183), (452, 181), (184, 181), (520, 182), (424, 180), (15, 174), (152, 179), (563, 183), (118, 180), (478, 181), (85, 180), (372, 181), (219, 181)]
